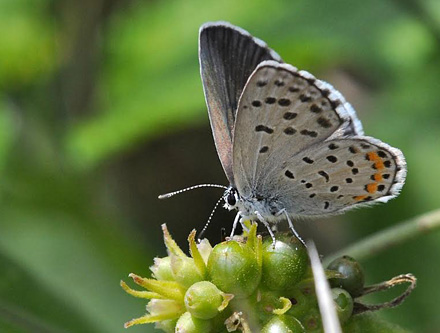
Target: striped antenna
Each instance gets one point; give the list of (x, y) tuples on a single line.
[(209, 219), (171, 194)]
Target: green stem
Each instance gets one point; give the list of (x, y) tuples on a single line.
[(390, 237)]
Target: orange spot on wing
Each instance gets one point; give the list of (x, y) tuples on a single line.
[(360, 197), (378, 163), (371, 188), (378, 177), (372, 156)]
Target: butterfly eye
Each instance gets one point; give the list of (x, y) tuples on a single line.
[(231, 198)]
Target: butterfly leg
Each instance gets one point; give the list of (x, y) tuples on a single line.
[(245, 228), (292, 228), (234, 225), (261, 218)]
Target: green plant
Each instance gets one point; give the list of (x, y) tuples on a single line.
[(253, 284)]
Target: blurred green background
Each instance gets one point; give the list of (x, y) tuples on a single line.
[(102, 109)]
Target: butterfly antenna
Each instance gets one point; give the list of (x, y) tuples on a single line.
[(209, 219), (171, 194)]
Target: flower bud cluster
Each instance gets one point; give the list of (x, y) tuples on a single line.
[(247, 284)]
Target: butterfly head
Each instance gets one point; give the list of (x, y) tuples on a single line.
[(232, 198)]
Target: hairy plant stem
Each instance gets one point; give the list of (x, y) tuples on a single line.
[(388, 238)]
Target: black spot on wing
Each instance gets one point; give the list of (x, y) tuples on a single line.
[(263, 128), (264, 149), (294, 89), (334, 188), (353, 150), (312, 134), (324, 122), (290, 115), (315, 108), (284, 102), (382, 154), (332, 159), (324, 174), (304, 98), (289, 174), (270, 100), (289, 131)]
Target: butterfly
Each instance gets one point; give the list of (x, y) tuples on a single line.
[(289, 144)]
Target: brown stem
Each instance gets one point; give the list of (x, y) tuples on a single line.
[(404, 278)]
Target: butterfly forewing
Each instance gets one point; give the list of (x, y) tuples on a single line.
[(227, 55), (332, 176), (282, 111)]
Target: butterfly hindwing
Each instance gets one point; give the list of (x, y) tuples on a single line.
[(283, 111), (335, 175), (228, 55)]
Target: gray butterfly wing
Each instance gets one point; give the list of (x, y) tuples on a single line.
[(282, 111), (228, 55), (336, 175), (292, 145)]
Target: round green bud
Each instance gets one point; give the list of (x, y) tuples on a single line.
[(354, 275), (265, 303), (189, 324), (284, 263), (162, 269), (344, 304), (302, 303), (185, 271), (312, 321), (283, 324), (203, 300), (233, 267)]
